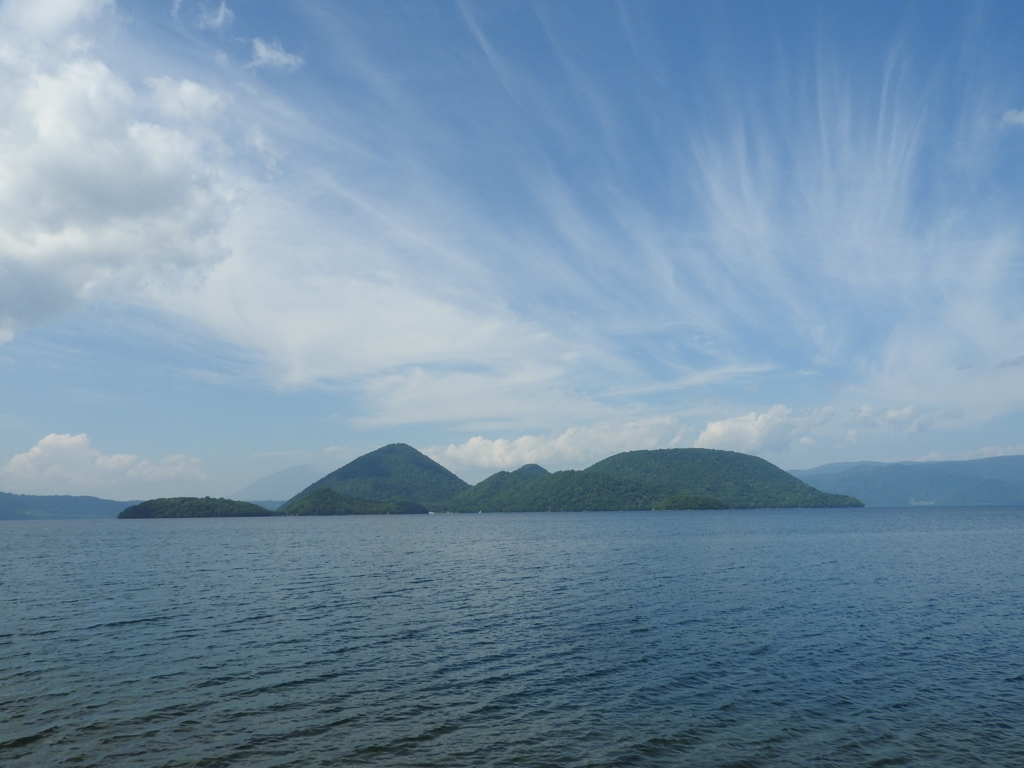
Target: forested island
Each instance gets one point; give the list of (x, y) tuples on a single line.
[(398, 479), (189, 506)]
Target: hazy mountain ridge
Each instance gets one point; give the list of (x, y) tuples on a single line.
[(280, 485), (17, 506), (994, 481)]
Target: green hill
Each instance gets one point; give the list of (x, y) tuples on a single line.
[(739, 480), (568, 491), (501, 488), (188, 506), (529, 471), (396, 471), (324, 501)]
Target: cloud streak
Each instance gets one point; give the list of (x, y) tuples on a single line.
[(272, 55), (214, 19)]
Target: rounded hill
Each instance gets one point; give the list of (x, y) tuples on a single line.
[(739, 480)]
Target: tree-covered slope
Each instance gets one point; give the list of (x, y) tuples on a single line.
[(690, 501), (396, 471), (529, 472), (324, 501), (190, 506), (740, 480), (500, 488), (568, 491)]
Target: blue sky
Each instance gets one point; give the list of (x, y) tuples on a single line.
[(237, 237)]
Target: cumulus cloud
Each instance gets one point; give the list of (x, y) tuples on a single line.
[(93, 193), (775, 429), (575, 447), (272, 54), (215, 19), (68, 464)]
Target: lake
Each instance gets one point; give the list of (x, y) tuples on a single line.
[(865, 637)]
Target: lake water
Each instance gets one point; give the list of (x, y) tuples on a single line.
[(742, 638)]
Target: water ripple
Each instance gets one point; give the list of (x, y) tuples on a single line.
[(775, 638)]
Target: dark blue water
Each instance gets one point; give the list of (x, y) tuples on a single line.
[(769, 638)]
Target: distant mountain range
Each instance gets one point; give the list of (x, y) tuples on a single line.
[(16, 506), (978, 482)]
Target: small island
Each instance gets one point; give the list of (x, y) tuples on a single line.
[(188, 506)]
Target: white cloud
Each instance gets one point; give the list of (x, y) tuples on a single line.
[(94, 196), (68, 464), (109, 191), (873, 416), (215, 19), (365, 259), (775, 429), (575, 447), (48, 17), (272, 54), (1013, 117), (184, 99)]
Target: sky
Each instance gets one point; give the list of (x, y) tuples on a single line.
[(242, 236)]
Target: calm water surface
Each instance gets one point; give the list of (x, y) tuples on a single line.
[(768, 638)]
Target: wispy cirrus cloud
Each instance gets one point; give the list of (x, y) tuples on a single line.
[(215, 18), (1013, 117), (272, 55)]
